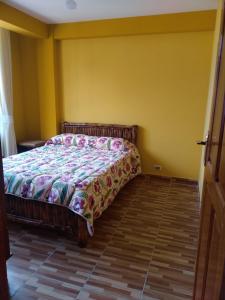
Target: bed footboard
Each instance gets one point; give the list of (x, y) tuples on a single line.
[(42, 214)]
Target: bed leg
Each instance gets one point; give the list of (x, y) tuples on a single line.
[(82, 233)]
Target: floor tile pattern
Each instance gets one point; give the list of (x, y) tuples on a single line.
[(144, 247)]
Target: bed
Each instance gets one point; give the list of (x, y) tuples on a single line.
[(70, 181)]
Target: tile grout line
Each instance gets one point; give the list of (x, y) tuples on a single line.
[(51, 254), (161, 208), (147, 274), (34, 272), (163, 214), (141, 292), (115, 230)]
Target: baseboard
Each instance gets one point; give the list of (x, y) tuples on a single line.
[(173, 179)]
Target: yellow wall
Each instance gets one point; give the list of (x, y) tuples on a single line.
[(165, 23), (15, 20), (25, 88), (33, 87), (47, 87), (158, 82), (18, 107), (211, 87)]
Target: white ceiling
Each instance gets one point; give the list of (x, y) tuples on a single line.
[(55, 11)]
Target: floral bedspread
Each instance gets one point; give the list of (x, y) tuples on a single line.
[(81, 177)]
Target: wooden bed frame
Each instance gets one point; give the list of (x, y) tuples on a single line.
[(43, 214)]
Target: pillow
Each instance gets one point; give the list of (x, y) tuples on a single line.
[(55, 140), (82, 140), (111, 143), (118, 144), (66, 139), (102, 142)]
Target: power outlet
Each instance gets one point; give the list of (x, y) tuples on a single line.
[(157, 167)]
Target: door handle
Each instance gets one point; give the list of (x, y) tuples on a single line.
[(202, 143)]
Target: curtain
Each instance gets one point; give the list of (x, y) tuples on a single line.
[(7, 133)]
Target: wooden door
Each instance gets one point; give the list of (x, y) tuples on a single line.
[(210, 266), (4, 241)]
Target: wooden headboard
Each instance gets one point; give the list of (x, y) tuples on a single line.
[(122, 131)]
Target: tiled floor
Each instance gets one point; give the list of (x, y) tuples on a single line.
[(144, 248)]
